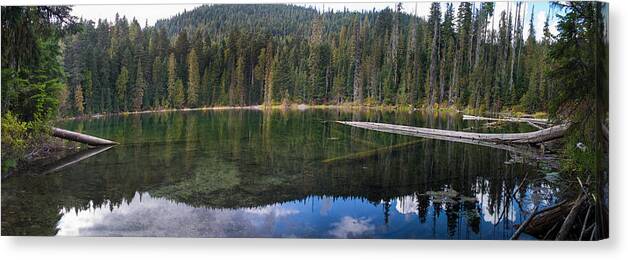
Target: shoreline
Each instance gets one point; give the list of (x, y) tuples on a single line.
[(294, 106), (303, 107)]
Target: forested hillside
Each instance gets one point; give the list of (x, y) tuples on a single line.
[(264, 54)]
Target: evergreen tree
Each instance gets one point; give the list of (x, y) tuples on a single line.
[(121, 85), (78, 99), (172, 78), (138, 88), (194, 79), (157, 83), (179, 94)]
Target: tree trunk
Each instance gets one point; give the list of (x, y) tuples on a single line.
[(516, 138), (81, 138)]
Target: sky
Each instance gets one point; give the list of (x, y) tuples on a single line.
[(149, 14)]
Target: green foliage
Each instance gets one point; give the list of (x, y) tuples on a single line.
[(14, 136), (30, 95), (138, 89), (179, 94), (121, 85), (194, 77), (78, 100), (579, 155), (172, 78)]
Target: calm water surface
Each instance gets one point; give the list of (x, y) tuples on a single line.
[(249, 173)]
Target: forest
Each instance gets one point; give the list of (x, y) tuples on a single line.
[(57, 65), (235, 55)]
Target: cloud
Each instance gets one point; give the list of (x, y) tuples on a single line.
[(350, 227)]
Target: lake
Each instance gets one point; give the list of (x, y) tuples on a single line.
[(279, 173)]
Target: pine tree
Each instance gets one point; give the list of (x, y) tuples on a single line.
[(157, 83), (89, 92), (121, 86), (358, 83), (138, 89), (172, 78), (270, 81), (194, 79), (239, 83), (179, 94), (435, 24), (316, 70), (205, 96), (78, 99)]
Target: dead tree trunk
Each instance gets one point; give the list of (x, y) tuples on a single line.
[(539, 136), (535, 121), (81, 138)]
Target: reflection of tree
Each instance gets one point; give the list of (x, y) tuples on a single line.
[(386, 207)]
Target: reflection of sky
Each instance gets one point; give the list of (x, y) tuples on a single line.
[(312, 217)]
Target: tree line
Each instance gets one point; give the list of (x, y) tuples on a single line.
[(268, 54)]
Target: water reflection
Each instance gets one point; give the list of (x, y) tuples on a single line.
[(314, 216), (277, 174)]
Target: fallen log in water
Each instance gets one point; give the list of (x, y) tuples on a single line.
[(81, 138), (532, 121), (510, 138), (547, 219), (525, 151)]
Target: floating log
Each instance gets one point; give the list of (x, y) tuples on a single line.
[(81, 138), (539, 136), (525, 151), (533, 121)]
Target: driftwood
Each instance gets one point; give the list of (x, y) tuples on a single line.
[(523, 226), (81, 138), (510, 138), (523, 150), (571, 217), (535, 125), (548, 218), (533, 121)]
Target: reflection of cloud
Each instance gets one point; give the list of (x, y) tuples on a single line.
[(407, 204), (272, 211), (325, 206), (350, 227), (160, 217)]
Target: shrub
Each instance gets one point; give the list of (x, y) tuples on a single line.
[(14, 140)]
